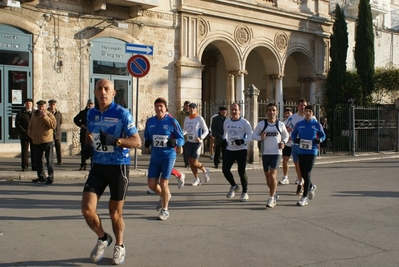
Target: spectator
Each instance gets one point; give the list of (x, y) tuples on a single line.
[(217, 133), (81, 121), (22, 122), (41, 130), (57, 132), (326, 129)]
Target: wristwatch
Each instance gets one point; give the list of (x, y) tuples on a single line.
[(119, 142)]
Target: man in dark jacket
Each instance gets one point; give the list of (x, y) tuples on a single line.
[(217, 133), (57, 132), (81, 121), (22, 122)]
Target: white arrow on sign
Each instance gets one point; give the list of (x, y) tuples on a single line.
[(139, 49)]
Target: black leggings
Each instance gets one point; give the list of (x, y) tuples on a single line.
[(229, 158), (306, 162)]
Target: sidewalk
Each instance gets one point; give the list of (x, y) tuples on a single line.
[(10, 168)]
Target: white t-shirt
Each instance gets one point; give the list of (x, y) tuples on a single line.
[(270, 145), (195, 127), (237, 129)]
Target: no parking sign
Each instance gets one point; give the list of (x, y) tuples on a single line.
[(138, 66)]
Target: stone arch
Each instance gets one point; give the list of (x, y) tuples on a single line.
[(228, 49), (262, 61), (299, 72)]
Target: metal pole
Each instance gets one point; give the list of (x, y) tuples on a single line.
[(136, 120), (378, 130)]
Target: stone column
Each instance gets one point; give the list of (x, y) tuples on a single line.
[(312, 91), (251, 97), (278, 97), (230, 90)]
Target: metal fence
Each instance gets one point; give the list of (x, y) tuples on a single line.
[(359, 129), (352, 129)]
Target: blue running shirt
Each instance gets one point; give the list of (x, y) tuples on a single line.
[(159, 131), (116, 120)]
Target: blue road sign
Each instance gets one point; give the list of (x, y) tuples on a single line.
[(138, 66), (139, 49)]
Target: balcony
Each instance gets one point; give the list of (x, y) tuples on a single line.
[(378, 7)]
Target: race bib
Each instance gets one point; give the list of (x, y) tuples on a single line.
[(305, 144), (159, 140), (190, 137), (99, 147), (232, 143)]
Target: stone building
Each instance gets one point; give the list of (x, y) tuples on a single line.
[(202, 51)]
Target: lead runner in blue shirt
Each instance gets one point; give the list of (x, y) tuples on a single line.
[(111, 133), (309, 133), (163, 133)]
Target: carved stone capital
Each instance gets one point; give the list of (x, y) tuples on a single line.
[(276, 76)]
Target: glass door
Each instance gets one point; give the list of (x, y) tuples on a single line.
[(14, 85), (123, 87)]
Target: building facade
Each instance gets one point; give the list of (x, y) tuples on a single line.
[(203, 51)]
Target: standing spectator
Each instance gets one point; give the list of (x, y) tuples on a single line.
[(326, 129), (81, 121), (274, 135), (196, 130), (211, 138), (163, 134), (22, 122), (286, 150), (57, 132), (41, 130), (237, 134), (217, 133), (308, 134), (111, 133), (180, 117)]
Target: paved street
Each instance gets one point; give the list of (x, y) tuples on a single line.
[(353, 221)]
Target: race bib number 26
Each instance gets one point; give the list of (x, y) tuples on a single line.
[(99, 147)]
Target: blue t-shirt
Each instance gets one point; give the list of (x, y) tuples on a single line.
[(308, 131), (159, 131), (116, 120)]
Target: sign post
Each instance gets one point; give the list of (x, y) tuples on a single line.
[(138, 66)]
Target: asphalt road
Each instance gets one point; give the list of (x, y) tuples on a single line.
[(353, 221)]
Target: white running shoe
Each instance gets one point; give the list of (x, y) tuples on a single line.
[(163, 215), (119, 255), (159, 205), (297, 181), (197, 181), (150, 191), (244, 197), (207, 175), (212, 157), (312, 192), (181, 181), (284, 180), (271, 203), (303, 202), (232, 192), (98, 251)]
